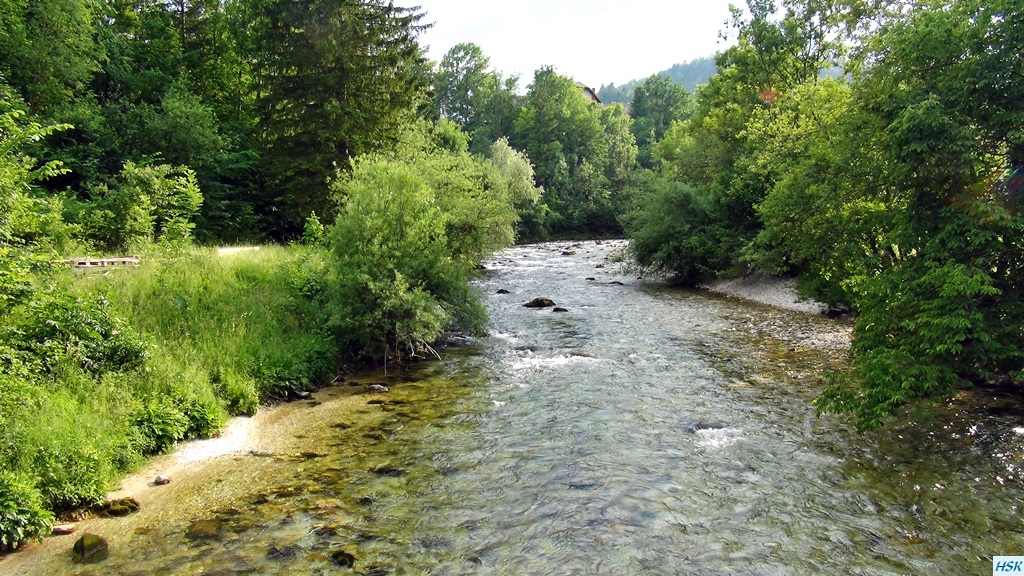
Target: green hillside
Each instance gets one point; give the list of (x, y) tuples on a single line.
[(690, 74)]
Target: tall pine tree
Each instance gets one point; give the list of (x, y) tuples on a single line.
[(332, 79)]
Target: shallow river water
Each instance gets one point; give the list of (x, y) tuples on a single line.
[(646, 430)]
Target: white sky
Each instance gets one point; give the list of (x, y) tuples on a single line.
[(594, 41)]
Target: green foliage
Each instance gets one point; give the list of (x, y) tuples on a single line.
[(147, 204), (47, 50), (480, 100), (582, 154), (55, 327), (938, 320), (392, 245), (24, 216), (393, 257), (332, 79), (657, 103), (679, 231), (819, 151), (513, 179), (313, 232), (413, 226), (22, 515)]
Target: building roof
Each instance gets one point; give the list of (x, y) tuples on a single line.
[(589, 92)]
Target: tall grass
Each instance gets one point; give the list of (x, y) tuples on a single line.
[(122, 365), (244, 326)]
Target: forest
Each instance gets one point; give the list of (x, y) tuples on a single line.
[(378, 181)]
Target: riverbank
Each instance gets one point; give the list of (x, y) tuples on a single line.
[(207, 477), (772, 291)]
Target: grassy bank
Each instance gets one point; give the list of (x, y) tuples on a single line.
[(102, 370), (99, 371)]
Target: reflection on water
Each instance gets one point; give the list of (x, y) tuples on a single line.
[(645, 431)]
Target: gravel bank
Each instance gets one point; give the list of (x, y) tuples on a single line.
[(778, 292)]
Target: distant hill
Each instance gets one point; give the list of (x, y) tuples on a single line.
[(690, 74)]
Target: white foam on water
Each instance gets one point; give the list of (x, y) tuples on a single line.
[(718, 438), (535, 363)]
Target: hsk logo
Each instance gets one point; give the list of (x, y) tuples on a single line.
[(1008, 565)]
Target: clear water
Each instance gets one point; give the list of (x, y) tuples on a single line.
[(645, 431)]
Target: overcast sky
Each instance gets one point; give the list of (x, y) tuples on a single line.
[(594, 41)]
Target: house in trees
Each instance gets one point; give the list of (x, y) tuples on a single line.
[(588, 92)]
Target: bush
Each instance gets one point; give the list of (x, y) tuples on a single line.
[(393, 264), (22, 515), (56, 326), (677, 230), (159, 424), (154, 203)]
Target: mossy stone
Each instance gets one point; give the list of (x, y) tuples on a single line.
[(91, 548)]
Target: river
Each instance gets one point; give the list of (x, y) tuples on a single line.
[(645, 430)]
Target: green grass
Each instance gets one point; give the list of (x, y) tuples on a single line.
[(98, 371)]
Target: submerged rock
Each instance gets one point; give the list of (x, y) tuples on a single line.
[(343, 559), (568, 253), (206, 529), (91, 548), (502, 291), (275, 553), (558, 309), (539, 303)]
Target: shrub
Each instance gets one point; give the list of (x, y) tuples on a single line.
[(56, 326), (154, 203), (393, 266), (159, 424), (677, 230), (22, 515)]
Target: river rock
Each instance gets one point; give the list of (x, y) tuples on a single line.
[(599, 266), (120, 507), (559, 309), (300, 394), (376, 389), (836, 310), (63, 529), (502, 291), (343, 559), (90, 548), (205, 529), (161, 480), (539, 303), (568, 253), (283, 553), (590, 278)]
